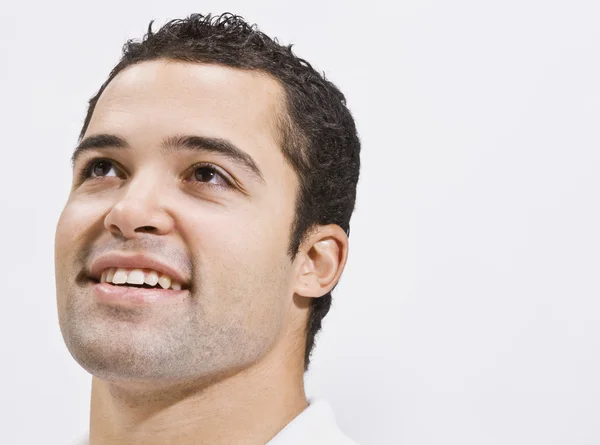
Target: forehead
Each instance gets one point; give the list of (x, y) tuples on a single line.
[(152, 100)]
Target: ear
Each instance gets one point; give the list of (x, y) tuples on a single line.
[(321, 260)]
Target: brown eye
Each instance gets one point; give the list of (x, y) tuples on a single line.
[(205, 174), (211, 176), (100, 168)]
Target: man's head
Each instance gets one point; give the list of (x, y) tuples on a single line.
[(215, 150)]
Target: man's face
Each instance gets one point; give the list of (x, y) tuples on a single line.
[(227, 241)]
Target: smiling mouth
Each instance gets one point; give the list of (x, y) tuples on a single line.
[(133, 294), (138, 286), (137, 278)]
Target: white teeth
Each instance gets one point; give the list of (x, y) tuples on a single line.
[(164, 281), (151, 278), (136, 276), (120, 276)]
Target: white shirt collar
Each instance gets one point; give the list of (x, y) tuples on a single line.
[(315, 425)]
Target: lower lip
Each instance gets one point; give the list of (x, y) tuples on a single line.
[(108, 293)]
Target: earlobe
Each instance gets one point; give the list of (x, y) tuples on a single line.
[(324, 254)]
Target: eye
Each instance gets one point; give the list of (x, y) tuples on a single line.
[(210, 175), (101, 168), (97, 168)]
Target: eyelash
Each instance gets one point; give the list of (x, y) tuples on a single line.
[(84, 175)]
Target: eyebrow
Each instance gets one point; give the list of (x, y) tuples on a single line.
[(176, 143)]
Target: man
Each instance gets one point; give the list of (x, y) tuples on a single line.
[(206, 227)]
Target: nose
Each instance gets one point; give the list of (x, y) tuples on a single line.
[(139, 210)]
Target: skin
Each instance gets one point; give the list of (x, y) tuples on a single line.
[(225, 364)]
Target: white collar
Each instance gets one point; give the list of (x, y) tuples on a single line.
[(316, 425)]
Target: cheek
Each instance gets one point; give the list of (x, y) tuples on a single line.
[(250, 241), (77, 218), (243, 268)]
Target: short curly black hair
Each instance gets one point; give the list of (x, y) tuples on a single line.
[(318, 134)]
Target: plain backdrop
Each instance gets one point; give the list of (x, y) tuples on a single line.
[(469, 310)]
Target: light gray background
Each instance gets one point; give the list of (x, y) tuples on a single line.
[(469, 309)]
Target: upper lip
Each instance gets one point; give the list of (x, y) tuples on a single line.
[(134, 261)]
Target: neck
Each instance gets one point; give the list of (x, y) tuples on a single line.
[(250, 406)]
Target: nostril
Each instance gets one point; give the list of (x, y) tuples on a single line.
[(149, 229)]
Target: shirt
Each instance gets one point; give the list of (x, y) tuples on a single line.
[(316, 425)]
